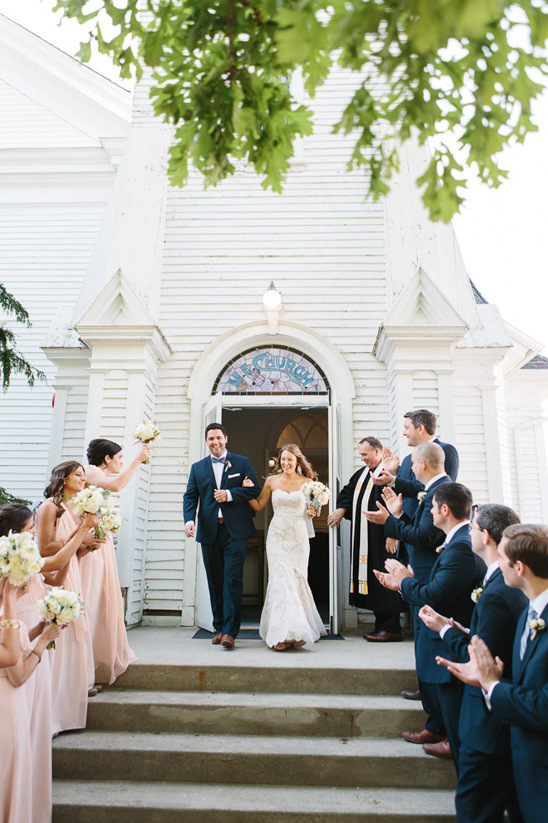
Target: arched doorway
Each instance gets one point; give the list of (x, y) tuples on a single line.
[(242, 379)]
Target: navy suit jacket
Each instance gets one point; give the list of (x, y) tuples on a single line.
[(524, 704), (419, 534), (237, 515), (408, 485), (494, 620), (456, 573)]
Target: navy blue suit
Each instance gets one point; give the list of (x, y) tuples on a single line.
[(486, 784), (224, 545), (421, 540), (523, 704), (456, 572), (406, 482), (419, 533)]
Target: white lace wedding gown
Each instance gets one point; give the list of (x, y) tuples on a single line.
[(289, 611)]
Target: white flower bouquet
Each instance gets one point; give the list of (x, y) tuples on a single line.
[(60, 606), (315, 494), (111, 521), (146, 432), (19, 558), (91, 501)]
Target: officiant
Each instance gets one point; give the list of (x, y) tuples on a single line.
[(368, 545)]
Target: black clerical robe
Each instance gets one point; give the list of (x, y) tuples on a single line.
[(378, 599)]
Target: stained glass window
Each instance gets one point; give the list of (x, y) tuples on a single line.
[(271, 370)]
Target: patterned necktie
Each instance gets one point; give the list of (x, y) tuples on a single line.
[(531, 614)]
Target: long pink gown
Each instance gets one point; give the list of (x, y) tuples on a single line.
[(72, 665), (38, 693), (16, 788), (105, 613)]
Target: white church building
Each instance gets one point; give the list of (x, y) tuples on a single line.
[(147, 301)]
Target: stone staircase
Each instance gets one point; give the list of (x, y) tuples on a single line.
[(251, 744)]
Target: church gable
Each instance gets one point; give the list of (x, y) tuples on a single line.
[(421, 304), (118, 305), (42, 87), (26, 124)]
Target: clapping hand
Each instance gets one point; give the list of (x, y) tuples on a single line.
[(397, 570), (459, 627), (432, 619), (383, 478), (391, 462), (481, 671), (387, 580), (393, 501), (379, 517)]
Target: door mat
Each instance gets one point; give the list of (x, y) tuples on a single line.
[(251, 634)]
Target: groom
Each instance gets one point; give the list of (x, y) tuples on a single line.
[(224, 526)]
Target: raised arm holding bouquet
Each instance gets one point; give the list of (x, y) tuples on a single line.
[(100, 582)]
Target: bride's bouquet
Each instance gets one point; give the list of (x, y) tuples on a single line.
[(146, 432), (19, 558), (92, 501), (60, 606), (315, 494)]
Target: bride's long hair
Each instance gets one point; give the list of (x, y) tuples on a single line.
[(303, 465)]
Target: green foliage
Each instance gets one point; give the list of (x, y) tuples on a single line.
[(460, 74), (10, 360), (6, 497)]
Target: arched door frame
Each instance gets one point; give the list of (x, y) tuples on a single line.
[(229, 345)]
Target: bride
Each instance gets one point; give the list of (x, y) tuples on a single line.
[(289, 617)]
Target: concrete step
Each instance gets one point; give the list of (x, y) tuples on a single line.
[(121, 802), (249, 678), (256, 714), (308, 761)]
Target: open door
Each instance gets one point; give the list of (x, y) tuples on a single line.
[(213, 413), (336, 575)]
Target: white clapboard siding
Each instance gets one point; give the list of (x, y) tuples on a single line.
[(470, 435), (44, 252)]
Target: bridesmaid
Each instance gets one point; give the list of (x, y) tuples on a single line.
[(100, 582), (72, 664), (17, 518), (25, 793)]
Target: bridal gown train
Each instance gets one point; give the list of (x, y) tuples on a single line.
[(289, 611)]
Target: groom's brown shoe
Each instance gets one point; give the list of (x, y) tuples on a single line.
[(228, 641), (217, 639)]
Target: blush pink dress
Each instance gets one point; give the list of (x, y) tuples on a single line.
[(15, 775), (38, 693), (105, 613), (72, 664)]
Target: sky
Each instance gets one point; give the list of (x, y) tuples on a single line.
[(502, 233)]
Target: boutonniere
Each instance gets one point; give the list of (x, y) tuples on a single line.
[(440, 549), (536, 625), (421, 496), (476, 594), (228, 465)]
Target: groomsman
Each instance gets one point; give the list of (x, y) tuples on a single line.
[(422, 538), (485, 788), (418, 427), (453, 577), (225, 524), (521, 701), (368, 545)]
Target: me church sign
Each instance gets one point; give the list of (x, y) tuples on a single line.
[(271, 370)]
